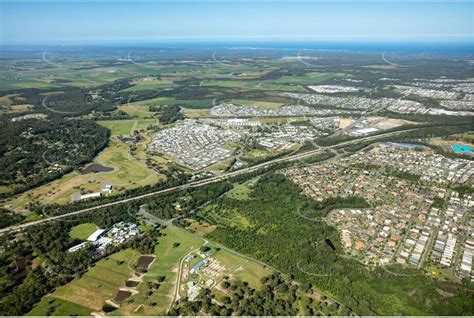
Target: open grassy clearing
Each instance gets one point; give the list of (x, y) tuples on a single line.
[(82, 231), (172, 248), (200, 228), (89, 293), (6, 189), (144, 123), (150, 83), (381, 66), (242, 191), (128, 173), (190, 112), (257, 103), (281, 87), (309, 78), (51, 306), (20, 83), (7, 105), (260, 154), (168, 258), (16, 109), (256, 85), (137, 110), (239, 268), (69, 73), (118, 127), (222, 165), (228, 217), (190, 103), (100, 283)]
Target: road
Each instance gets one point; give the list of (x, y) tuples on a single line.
[(200, 183), (176, 296), (206, 241), (366, 113)]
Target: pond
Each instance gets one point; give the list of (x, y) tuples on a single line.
[(95, 167), (145, 261), (122, 295)]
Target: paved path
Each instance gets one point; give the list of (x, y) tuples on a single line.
[(222, 247)]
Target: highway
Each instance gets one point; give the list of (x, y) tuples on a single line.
[(206, 181)]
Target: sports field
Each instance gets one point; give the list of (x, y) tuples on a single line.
[(82, 231)]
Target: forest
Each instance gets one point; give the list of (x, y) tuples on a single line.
[(36, 151), (278, 296), (280, 237), (170, 114), (37, 261)]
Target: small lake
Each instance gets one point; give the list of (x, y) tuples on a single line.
[(95, 167), (145, 261)]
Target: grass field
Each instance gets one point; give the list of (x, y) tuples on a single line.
[(126, 127), (259, 154), (201, 228), (263, 104), (190, 112), (150, 83), (82, 231), (7, 106), (309, 78), (190, 103), (257, 85), (228, 217), (239, 268), (97, 285), (241, 191), (88, 294), (118, 127), (137, 110), (51, 306), (68, 73), (166, 264), (128, 173)]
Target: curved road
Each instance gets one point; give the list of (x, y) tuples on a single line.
[(206, 181)]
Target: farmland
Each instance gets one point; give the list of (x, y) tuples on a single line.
[(99, 284), (93, 289), (282, 238), (148, 83)]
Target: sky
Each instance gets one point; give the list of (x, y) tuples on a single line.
[(62, 22)]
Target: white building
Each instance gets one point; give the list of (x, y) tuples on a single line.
[(96, 235)]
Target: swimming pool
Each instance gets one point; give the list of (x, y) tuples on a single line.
[(463, 148), (467, 148)]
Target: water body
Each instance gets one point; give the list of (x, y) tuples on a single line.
[(330, 244), (95, 167), (462, 149)]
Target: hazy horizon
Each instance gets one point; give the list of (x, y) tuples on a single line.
[(315, 21)]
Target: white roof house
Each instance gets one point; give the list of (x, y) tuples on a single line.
[(94, 236), (91, 195), (77, 247)]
